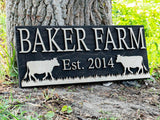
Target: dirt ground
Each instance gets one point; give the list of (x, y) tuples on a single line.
[(98, 101)]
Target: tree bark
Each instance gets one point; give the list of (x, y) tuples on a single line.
[(54, 13)]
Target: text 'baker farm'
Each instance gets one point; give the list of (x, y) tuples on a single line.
[(102, 38)]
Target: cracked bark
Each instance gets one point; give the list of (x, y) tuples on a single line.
[(55, 12)]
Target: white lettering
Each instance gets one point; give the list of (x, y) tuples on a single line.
[(22, 40), (137, 42), (81, 40), (66, 40), (112, 41), (40, 43), (66, 64), (51, 40), (98, 38), (121, 39)]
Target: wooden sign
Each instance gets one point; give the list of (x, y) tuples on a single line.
[(53, 55)]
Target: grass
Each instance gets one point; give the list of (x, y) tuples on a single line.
[(9, 110), (2, 45), (108, 114), (7, 62), (12, 109)]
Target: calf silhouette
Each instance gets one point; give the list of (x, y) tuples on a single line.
[(131, 62), (40, 67)]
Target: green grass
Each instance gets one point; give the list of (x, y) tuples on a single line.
[(141, 12), (2, 44), (7, 62), (12, 109), (9, 110), (2, 26)]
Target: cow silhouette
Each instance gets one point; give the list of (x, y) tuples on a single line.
[(41, 67), (131, 62)]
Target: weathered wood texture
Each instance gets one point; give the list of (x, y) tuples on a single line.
[(56, 12)]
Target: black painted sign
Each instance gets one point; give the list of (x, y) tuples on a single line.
[(52, 55)]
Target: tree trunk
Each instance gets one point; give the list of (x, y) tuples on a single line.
[(54, 13)]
